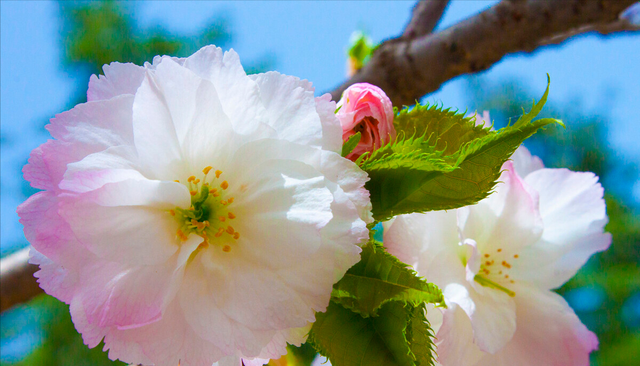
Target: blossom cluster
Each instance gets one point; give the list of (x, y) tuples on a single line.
[(193, 214)]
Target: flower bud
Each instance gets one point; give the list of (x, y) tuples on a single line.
[(365, 108)]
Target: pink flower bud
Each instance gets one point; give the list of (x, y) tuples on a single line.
[(365, 108)]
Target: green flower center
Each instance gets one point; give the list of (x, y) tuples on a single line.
[(494, 272), (209, 215)]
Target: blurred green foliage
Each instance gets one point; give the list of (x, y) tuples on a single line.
[(583, 146)]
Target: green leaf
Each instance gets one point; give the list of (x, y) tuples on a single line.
[(350, 144), (447, 162), (420, 337), (351, 340), (379, 278), (300, 356)]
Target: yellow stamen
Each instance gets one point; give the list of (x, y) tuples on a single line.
[(223, 202), (177, 181), (236, 235), (230, 230), (224, 184), (226, 249), (218, 172), (230, 200), (515, 256), (191, 179), (196, 181), (219, 233), (207, 170), (222, 218), (231, 215), (172, 212), (193, 193)]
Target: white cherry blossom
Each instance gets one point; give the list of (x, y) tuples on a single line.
[(497, 262)]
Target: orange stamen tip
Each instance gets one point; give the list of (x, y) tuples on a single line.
[(191, 179), (499, 250), (213, 190), (486, 255), (236, 235), (207, 170), (230, 229), (220, 231), (222, 218), (226, 249), (181, 235), (206, 223), (512, 281), (218, 172), (177, 181), (196, 181), (515, 256), (193, 193), (224, 184), (231, 215), (172, 212), (488, 263), (230, 200), (223, 202)]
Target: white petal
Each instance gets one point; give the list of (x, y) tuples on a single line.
[(155, 135), (548, 333), (574, 215), (119, 78), (331, 129), (420, 238), (286, 99), (455, 339), (524, 162), (241, 99)]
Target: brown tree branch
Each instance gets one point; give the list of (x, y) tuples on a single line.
[(426, 15), (409, 68), (17, 284)]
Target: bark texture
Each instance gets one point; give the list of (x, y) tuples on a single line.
[(414, 64)]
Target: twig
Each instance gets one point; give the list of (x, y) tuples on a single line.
[(426, 15), (409, 68)]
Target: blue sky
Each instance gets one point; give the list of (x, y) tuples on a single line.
[(308, 40)]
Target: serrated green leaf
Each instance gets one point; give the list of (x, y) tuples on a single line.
[(378, 278), (348, 339), (351, 143), (420, 337), (441, 129), (459, 163)]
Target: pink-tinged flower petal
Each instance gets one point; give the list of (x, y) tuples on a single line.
[(86, 129), (365, 108), (118, 79), (548, 333), (127, 221), (525, 163), (574, 216), (508, 219)]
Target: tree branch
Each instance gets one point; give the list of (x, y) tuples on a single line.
[(17, 284), (426, 15), (409, 68)]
